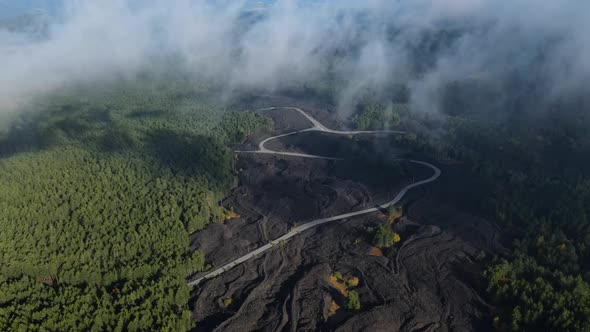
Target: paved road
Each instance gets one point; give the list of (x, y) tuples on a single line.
[(317, 126)]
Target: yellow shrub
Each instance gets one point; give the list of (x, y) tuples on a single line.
[(227, 302), (337, 282), (333, 308), (352, 282)]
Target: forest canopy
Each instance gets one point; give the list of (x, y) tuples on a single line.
[(99, 191)]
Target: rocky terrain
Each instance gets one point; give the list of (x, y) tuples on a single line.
[(429, 281)]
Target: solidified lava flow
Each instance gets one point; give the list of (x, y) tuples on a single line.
[(427, 282)]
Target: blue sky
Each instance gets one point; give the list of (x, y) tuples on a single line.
[(10, 8)]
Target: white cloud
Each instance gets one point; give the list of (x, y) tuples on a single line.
[(95, 40)]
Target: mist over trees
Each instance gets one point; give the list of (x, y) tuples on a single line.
[(514, 53), (111, 160)]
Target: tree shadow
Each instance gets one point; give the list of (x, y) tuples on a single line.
[(41, 131), (191, 155), (146, 114), (27, 138), (117, 140)]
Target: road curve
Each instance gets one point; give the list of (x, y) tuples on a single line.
[(317, 126)]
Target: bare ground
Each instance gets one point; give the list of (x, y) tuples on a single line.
[(430, 281)]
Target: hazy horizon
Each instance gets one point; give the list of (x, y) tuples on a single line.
[(506, 46)]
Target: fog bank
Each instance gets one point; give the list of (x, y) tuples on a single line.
[(510, 48)]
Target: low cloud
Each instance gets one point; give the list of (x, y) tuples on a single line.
[(507, 46)]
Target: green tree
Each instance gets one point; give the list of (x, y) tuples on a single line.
[(353, 301), (516, 319), (384, 236), (96, 221)]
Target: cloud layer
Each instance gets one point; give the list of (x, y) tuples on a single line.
[(506, 45)]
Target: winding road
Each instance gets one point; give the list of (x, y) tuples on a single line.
[(317, 126)]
